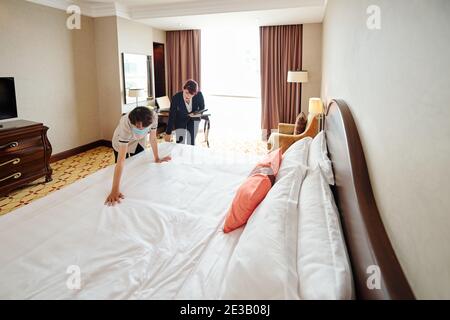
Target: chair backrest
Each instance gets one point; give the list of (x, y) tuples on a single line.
[(312, 126), (163, 103)]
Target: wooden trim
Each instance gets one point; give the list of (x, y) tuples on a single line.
[(300, 93), (367, 242), (156, 67), (122, 55), (48, 152), (80, 149)]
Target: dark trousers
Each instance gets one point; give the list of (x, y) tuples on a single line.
[(139, 149)]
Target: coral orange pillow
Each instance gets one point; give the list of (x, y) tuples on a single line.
[(253, 191), (272, 160)]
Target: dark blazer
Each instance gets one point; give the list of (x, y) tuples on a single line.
[(178, 116)]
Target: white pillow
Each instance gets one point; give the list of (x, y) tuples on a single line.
[(318, 156), (322, 262), (295, 155), (263, 264)]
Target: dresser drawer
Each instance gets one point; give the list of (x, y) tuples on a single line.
[(18, 175), (24, 141), (24, 154), (14, 160)]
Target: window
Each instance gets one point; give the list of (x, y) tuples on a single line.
[(230, 61)]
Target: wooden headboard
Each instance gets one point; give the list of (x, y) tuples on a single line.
[(366, 239)]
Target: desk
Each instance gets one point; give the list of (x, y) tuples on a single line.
[(163, 120)]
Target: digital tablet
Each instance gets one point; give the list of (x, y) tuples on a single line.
[(198, 111)]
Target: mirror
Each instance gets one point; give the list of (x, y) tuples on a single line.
[(137, 74)]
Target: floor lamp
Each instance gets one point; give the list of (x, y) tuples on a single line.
[(298, 77)]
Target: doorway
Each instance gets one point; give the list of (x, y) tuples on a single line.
[(160, 69)]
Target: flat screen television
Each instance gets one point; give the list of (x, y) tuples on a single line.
[(8, 105)]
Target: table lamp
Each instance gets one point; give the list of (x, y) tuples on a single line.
[(136, 93), (316, 109)]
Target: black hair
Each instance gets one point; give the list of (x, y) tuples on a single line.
[(141, 114)]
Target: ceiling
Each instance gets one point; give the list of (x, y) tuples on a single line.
[(238, 19), (140, 2), (198, 14)]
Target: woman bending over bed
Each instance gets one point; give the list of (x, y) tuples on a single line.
[(129, 139)]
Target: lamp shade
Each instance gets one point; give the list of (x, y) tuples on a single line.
[(315, 106), (297, 76), (136, 93)]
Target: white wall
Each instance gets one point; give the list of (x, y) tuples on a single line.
[(312, 62), (137, 38), (396, 82), (71, 80), (54, 71), (114, 36), (108, 74)]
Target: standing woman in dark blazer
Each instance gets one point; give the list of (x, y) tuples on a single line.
[(182, 104)]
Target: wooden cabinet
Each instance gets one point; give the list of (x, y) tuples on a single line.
[(24, 154)]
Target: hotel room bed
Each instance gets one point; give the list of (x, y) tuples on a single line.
[(144, 248), (165, 240)]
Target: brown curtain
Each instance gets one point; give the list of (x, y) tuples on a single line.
[(183, 58), (281, 51)]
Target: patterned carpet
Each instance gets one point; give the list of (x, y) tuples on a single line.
[(79, 166), (65, 172)]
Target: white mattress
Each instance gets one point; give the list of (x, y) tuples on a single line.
[(164, 241)]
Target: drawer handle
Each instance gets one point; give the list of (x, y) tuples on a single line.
[(13, 161), (16, 175), (10, 145)]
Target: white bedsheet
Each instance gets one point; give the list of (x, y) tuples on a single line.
[(164, 241)]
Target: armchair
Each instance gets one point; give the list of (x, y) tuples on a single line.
[(285, 136)]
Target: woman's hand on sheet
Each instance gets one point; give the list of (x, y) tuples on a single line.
[(113, 198), (165, 159), (168, 137)]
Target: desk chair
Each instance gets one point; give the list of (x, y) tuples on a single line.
[(163, 104)]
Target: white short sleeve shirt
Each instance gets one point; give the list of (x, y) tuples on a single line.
[(124, 135)]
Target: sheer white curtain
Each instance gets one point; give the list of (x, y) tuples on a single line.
[(230, 61)]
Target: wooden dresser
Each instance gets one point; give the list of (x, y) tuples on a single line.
[(24, 154)]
